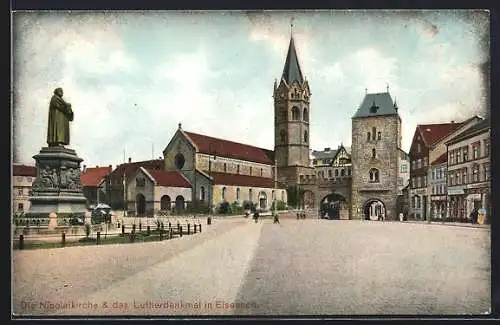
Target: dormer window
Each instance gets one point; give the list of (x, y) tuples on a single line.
[(374, 108)]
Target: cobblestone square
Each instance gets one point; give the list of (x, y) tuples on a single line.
[(238, 267)]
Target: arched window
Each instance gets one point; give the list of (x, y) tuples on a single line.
[(306, 136), (283, 196), (282, 114), (305, 115), (250, 195), (379, 135), (238, 194), (165, 203), (202, 193), (374, 153), (295, 113), (283, 136), (374, 133), (368, 136), (272, 195), (342, 172), (224, 190), (374, 175)]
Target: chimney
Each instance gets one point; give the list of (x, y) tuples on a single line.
[(129, 160), (327, 149), (452, 121), (84, 168), (110, 166)]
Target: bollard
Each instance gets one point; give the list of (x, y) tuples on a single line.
[(63, 235), (195, 228), (148, 230), (21, 241), (98, 237), (189, 232), (199, 227), (209, 220), (123, 230), (180, 230)]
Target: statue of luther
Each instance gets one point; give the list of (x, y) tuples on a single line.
[(60, 114)]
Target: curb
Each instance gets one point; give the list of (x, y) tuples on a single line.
[(451, 224)]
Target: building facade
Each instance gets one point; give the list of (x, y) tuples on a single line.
[(23, 177), (404, 171), (428, 144), (469, 180), (437, 182)]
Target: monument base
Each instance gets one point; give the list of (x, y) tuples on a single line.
[(57, 187)]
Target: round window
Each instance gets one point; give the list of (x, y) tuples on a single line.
[(179, 160)]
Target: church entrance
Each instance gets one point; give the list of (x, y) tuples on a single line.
[(179, 204), (262, 200), (374, 210), (140, 204), (331, 205)]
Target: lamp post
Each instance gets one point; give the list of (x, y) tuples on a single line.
[(209, 219), (275, 186), (124, 195)]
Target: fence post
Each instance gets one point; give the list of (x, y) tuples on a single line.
[(194, 228), (148, 230), (98, 237), (188, 229), (63, 235), (21, 241), (170, 233), (140, 226), (199, 226), (161, 234), (123, 230), (180, 230)]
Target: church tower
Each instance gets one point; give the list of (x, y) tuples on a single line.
[(291, 120)]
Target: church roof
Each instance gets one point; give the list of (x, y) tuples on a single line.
[(229, 149), (432, 133), (291, 71), (130, 168), (376, 105), (169, 178)]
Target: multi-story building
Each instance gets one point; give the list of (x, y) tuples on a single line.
[(376, 143), (332, 164), (404, 171), (93, 180), (23, 177), (437, 183), (469, 182), (428, 144)]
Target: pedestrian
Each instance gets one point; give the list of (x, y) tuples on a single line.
[(256, 216), (473, 216), (401, 217), (298, 215), (276, 218)]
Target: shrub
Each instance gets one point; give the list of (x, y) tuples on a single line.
[(236, 208), (224, 208), (280, 205)]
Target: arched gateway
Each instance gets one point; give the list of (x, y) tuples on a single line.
[(374, 209), (331, 206)]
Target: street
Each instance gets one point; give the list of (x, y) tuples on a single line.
[(237, 267)]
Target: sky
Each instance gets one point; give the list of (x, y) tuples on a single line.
[(133, 76)]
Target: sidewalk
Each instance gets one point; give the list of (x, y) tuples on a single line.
[(455, 224)]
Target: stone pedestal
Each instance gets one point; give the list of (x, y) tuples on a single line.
[(57, 188)]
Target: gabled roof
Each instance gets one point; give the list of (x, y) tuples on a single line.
[(432, 133), (291, 71), (93, 176), (23, 170), (324, 154), (441, 159), (229, 149), (378, 104), (169, 178), (130, 168), (241, 180), (480, 127)]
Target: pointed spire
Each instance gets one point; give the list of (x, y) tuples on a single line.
[(395, 104), (291, 71)]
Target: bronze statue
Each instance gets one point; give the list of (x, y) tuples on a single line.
[(60, 114)]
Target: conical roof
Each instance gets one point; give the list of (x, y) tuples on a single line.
[(291, 71)]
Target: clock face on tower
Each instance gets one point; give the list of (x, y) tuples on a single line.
[(179, 160)]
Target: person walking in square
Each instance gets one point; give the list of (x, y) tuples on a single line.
[(276, 218)]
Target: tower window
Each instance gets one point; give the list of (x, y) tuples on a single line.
[(224, 190), (238, 194), (368, 136), (374, 153), (282, 114), (238, 169), (379, 135), (261, 172), (305, 115), (295, 113), (225, 167), (250, 170), (305, 136), (374, 133), (374, 175), (283, 136)]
